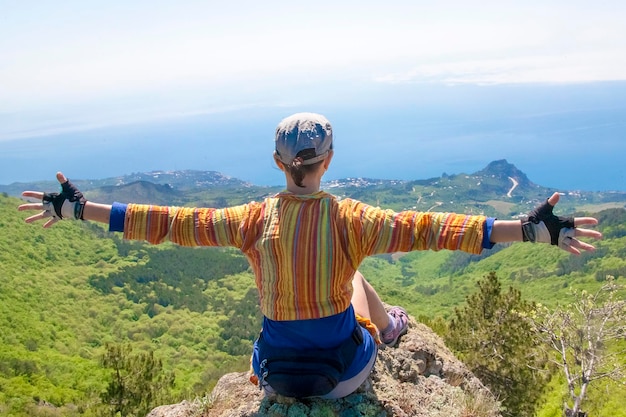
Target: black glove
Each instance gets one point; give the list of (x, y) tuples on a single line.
[(542, 225), (70, 203)]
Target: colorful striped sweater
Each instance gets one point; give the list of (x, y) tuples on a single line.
[(305, 249)]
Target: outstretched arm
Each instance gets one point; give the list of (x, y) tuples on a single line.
[(70, 203), (183, 226), (543, 226)]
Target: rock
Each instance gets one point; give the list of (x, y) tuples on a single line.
[(184, 409), (419, 377)]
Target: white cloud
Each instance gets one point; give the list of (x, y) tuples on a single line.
[(567, 68)]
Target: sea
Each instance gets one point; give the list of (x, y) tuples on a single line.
[(565, 136)]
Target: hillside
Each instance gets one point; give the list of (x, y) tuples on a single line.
[(68, 291)]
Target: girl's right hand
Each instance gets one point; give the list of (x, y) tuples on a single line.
[(68, 204)]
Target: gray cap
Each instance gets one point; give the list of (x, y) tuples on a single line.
[(302, 131)]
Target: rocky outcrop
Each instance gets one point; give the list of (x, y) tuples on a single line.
[(419, 377)]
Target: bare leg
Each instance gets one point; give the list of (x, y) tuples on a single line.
[(367, 303)]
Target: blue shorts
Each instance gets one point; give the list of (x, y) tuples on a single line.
[(304, 334)]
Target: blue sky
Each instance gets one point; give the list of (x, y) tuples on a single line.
[(73, 66)]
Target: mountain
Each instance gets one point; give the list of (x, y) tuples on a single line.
[(505, 178), (180, 180), (503, 170), (183, 180), (500, 189), (137, 192)]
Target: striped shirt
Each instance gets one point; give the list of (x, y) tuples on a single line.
[(305, 249)]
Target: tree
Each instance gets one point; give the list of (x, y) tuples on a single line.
[(499, 346), (580, 335), (137, 384)]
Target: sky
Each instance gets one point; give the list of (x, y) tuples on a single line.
[(74, 66)]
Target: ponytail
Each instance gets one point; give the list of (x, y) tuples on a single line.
[(298, 170)]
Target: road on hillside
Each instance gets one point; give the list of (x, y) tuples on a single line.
[(515, 184)]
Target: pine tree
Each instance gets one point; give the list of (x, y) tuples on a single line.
[(137, 383), (492, 337)]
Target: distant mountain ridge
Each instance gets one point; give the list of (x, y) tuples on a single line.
[(185, 179), (500, 181), (178, 179)]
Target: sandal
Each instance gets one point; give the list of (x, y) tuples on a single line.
[(402, 326)]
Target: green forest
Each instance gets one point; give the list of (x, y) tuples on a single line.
[(78, 303)]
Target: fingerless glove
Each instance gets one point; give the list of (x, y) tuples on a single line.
[(543, 226), (69, 203)]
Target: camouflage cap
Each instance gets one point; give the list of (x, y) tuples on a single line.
[(303, 131)]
